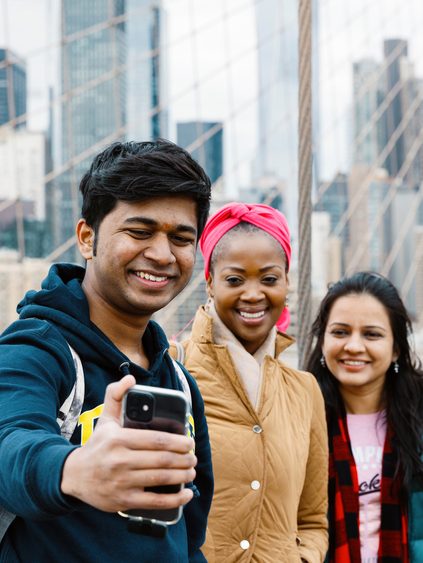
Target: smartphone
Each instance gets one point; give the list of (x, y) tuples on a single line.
[(155, 408)]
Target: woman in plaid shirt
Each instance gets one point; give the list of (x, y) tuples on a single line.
[(373, 389)]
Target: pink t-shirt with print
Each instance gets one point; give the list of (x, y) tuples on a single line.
[(367, 434)]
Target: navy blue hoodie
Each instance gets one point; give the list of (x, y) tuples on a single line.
[(36, 376)]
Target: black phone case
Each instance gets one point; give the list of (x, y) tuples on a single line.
[(171, 409)]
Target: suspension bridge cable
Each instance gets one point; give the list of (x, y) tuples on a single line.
[(304, 181)]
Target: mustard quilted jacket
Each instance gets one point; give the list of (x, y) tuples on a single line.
[(269, 464)]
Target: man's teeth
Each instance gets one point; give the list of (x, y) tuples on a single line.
[(251, 315), (354, 363), (150, 277)]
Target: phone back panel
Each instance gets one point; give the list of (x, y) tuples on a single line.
[(170, 413)]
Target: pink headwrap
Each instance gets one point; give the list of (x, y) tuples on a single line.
[(262, 216)]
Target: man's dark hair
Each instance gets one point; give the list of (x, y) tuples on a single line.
[(135, 171)]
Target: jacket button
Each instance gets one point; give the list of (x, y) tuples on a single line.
[(245, 544), (255, 485), (257, 429)]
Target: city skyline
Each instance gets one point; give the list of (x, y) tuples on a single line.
[(40, 47), (253, 115), (28, 34)]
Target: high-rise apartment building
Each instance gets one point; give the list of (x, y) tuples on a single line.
[(402, 223), (395, 50), (277, 47), (333, 198), (367, 98), (388, 166), (91, 112), (13, 97), (147, 115), (111, 88), (369, 236), (204, 140), (22, 156), (388, 114), (412, 109), (93, 73)]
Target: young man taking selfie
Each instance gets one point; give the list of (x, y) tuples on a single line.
[(144, 206)]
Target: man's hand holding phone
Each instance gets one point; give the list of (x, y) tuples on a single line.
[(111, 471)]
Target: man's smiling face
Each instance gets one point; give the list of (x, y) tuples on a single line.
[(145, 254)]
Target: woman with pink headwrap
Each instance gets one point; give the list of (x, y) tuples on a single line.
[(266, 420)]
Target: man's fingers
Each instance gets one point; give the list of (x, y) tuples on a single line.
[(161, 477), (133, 461), (156, 440), (114, 396), (149, 500)]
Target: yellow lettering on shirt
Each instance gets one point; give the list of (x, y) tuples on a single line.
[(87, 420), (191, 429)]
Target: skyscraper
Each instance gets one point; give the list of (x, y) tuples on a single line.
[(91, 112), (369, 237), (402, 223), (388, 122), (367, 97), (334, 200), (22, 155), (388, 114), (111, 87), (394, 51), (277, 46), (93, 78), (12, 89), (146, 74), (204, 139), (412, 101)]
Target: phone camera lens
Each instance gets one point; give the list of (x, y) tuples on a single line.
[(140, 406), (132, 413)]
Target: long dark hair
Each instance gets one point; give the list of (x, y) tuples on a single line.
[(403, 391)]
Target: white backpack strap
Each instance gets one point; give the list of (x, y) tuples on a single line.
[(180, 351), (6, 518), (71, 409), (67, 420), (184, 382)]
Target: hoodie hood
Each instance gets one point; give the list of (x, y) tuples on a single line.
[(61, 294), (62, 302)]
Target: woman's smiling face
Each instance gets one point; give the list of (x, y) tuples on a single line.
[(249, 284), (358, 344)]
